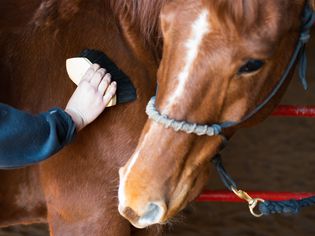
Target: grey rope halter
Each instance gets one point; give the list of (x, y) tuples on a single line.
[(299, 54), (210, 130)]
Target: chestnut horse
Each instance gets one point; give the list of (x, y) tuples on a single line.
[(204, 45), (221, 60)]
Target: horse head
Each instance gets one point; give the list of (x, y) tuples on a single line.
[(220, 60)]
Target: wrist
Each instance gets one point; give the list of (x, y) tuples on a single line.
[(77, 118)]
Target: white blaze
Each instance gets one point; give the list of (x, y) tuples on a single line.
[(133, 160), (199, 28)]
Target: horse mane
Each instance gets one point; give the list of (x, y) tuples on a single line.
[(141, 13), (51, 11)]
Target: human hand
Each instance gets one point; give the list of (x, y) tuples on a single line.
[(92, 95)]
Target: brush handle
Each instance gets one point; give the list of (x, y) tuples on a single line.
[(77, 67)]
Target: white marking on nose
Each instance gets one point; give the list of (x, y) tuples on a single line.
[(199, 28), (133, 160)]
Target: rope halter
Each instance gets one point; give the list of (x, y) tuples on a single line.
[(184, 126)]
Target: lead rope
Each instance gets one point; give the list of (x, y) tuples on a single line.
[(292, 206)]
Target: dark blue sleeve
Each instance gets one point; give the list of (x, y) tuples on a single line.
[(28, 139)]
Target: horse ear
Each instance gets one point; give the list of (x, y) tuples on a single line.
[(312, 4)]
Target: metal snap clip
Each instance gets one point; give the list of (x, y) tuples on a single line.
[(252, 202)]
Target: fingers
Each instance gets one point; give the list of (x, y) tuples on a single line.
[(90, 72), (110, 92), (100, 80), (107, 89), (97, 77), (104, 84)]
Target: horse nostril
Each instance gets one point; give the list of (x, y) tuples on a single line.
[(128, 213), (153, 214)]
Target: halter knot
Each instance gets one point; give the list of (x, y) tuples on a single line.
[(305, 37)]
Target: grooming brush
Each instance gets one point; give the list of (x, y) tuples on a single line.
[(77, 66)]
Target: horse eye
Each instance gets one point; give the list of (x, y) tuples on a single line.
[(251, 66)]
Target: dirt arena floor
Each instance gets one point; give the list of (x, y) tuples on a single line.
[(277, 155)]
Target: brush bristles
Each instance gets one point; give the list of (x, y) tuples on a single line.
[(126, 92)]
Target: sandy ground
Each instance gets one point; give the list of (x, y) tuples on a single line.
[(277, 155)]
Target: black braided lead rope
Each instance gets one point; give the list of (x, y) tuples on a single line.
[(288, 207)]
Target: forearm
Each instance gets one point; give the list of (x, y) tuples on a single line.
[(26, 139)]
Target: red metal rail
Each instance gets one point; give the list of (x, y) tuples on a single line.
[(226, 196), (295, 111)]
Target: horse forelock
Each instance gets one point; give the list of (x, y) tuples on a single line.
[(243, 17), (245, 14), (237, 10)]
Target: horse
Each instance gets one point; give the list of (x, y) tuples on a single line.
[(206, 42), (221, 64)]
